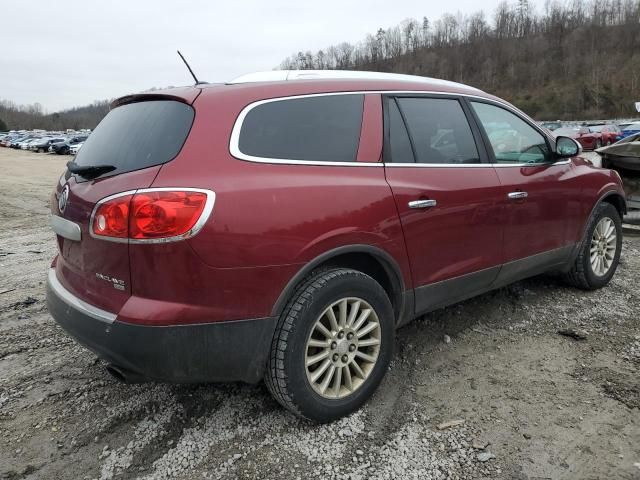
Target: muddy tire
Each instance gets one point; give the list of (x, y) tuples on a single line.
[(600, 249), (332, 345)]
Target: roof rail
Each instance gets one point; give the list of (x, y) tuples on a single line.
[(288, 75)]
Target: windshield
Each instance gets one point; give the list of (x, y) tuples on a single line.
[(137, 135), (631, 127)]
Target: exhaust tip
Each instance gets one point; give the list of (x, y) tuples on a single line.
[(122, 375)]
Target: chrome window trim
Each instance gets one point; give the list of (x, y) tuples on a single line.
[(234, 141), (70, 299), (477, 165), (204, 216), (65, 228), (234, 147)]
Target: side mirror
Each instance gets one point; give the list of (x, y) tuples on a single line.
[(567, 147)]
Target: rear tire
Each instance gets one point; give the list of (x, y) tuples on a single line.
[(324, 364), (600, 249)]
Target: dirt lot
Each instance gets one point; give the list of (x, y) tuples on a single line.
[(532, 403)]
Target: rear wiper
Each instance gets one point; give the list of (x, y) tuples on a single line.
[(90, 171)]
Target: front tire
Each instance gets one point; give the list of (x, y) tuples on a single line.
[(332, 345), (600, 250)]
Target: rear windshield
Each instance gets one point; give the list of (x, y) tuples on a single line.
[(323, 128), (138, 135)]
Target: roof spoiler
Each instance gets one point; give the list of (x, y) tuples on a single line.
[(184, 95)]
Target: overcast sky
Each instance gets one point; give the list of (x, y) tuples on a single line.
[(69, 53)]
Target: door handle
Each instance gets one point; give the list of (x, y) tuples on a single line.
[(422, 203), (517, 195)]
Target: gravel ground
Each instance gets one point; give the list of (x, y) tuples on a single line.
[(484, 389)]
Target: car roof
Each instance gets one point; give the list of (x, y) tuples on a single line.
[(297, 75), (282, 83), (320, 81)]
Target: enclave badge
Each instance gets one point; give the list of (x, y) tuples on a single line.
[(63, 198)]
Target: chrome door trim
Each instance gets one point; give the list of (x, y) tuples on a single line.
[(422, 204), (65, 228), (517, 195), (74, 302), (477, 165)]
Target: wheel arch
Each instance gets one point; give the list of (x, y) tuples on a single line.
[(615, 199), (367, 259), (612, 197)]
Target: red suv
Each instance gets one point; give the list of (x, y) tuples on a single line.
[(282, 226)]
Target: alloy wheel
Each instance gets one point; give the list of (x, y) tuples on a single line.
[(603, 246), (342, 348)]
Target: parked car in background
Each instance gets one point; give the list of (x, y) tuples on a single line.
[(588, 139), (610, 133), (27, 144), (631, 129), (22, 142), (75, 148), (551, 126), (63, 148), (53, 145), (43, 144), (283, 230), (15, 142)]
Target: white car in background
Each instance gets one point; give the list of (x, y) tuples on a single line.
[(74, 149)]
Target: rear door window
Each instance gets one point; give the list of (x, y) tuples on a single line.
[(138, 135), (399, 142), (323, 128), (439, 131)]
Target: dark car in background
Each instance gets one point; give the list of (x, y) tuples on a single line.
[(44, 143), (63, 148)]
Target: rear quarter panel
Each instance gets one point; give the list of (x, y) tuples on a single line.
[(268, 220)]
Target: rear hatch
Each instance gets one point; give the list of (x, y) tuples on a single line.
[(128, 148)]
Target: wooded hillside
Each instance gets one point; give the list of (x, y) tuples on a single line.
[(574, 60), (28, 117)]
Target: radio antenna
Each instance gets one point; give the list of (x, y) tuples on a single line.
[(190, 71)]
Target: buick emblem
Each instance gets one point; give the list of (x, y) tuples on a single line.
[(63, 198)]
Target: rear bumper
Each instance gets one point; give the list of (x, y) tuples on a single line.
[(212, 352)]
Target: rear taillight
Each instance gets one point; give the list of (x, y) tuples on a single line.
[(152, 215), (111, 217)]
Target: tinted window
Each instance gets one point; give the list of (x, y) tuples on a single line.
[(439, 130), (324, 128), (513, 140), (138, 135), (399, 142)]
